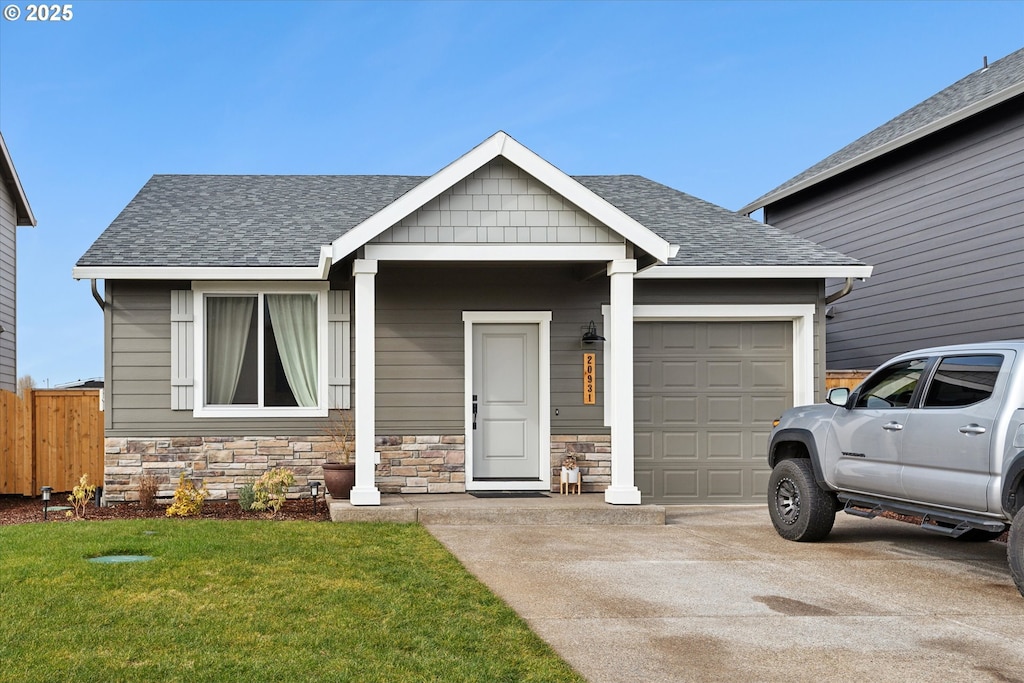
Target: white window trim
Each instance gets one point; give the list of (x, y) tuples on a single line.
[(543, 320), (201, 290), (801, 315)]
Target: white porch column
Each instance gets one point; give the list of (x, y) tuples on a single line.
[(365, 491), (622, 491)]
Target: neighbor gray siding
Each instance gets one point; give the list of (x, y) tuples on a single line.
[(942, 222), (8, 276)]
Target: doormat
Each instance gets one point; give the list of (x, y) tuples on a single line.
[(508, 494)]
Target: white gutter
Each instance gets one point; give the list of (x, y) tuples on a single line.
[(753, 272), (317, 272)]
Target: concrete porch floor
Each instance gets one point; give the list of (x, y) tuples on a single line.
[(464, 509)]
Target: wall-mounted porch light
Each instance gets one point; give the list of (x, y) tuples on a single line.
[(590, 335), (47, 490)]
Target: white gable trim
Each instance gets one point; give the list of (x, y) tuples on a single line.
[(21, 206), (501, 144)]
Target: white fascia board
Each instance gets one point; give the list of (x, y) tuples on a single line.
[(495, 252), (923, 131), (21, 200), (753, 272), (501, 144), (317, 272)]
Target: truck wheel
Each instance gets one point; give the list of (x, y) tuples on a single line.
[(1015, 550), (799, 508)]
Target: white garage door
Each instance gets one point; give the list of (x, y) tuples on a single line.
[(705, 397)]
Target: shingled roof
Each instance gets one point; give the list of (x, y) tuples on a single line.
[(282, 221), (973, 94)]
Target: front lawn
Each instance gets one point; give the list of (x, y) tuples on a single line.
[(257, 600)]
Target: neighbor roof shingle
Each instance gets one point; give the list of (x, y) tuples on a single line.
[(1000, 76)]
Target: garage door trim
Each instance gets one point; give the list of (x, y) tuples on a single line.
[(801, 315)]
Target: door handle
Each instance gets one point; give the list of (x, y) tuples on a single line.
[(972, 429), (892, 427), (474, 411)]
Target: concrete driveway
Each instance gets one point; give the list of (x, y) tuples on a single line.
[(716, 595)]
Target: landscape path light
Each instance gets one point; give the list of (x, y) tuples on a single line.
[(314, 492), (47, 490)]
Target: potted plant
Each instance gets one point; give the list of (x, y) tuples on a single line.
[(570, 474), (339, 470)]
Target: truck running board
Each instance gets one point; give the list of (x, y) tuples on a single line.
[(938, 522)]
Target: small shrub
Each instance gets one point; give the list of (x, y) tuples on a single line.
[(81, 495), (188, 500), (246, 497), (147, 491), (269, 489)]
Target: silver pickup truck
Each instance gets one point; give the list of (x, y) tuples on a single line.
[(937, 434)]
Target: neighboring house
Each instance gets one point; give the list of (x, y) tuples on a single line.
[(448, 311), (934, 200), (14, 211)]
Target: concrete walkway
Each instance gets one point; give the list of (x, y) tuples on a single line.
[(716, 595)]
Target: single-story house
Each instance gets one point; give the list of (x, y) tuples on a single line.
[(448, 314), (934, 200)]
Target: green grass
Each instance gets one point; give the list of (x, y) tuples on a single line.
[(260, 600)]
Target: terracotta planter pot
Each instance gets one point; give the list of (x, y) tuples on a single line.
[(339, 478)]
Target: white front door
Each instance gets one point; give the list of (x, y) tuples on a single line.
[(506, 398)]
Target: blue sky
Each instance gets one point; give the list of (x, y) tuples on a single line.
[(723, 100)]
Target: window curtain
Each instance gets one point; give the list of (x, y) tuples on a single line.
[(227, 332), (293, 317)]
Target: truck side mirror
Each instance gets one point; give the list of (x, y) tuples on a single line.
[(838, 396)]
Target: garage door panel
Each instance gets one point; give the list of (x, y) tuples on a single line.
[(770, 374), (679, 337), (725, 374), (642, 373), (678, 446), (764, 409), (680, 484), (678, 374), (710, 391), (725, 445), (676, 410), (724, 335), (727, 483), (727, 409), (643, 446)]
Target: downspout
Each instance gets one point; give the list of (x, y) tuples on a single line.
[(831, 298), (96, 295)]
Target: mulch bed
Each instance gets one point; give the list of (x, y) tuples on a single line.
[(22, 510)]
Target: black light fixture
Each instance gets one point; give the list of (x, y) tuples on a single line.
[(590, 335), (314, 492), (47, 490)]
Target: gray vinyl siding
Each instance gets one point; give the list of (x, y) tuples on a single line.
[(420, 334), (420, 344), (8, 298), (942, 222), (138, 372)]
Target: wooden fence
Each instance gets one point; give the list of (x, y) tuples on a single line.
[(50, 437), (844, 378)]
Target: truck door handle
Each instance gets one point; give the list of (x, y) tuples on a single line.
[(972, 429), (892, 427)]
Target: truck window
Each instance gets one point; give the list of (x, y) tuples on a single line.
[(893, 387), (962, 381)]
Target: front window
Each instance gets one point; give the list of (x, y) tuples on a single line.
[(262, 351)]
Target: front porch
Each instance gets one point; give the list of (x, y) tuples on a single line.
[(464, 509)]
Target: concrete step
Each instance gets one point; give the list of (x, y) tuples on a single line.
[(459, 509)]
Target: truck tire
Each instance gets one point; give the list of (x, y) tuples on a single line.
[(1015, 550), (800, 509)]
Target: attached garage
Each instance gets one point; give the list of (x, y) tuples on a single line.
[(705, 395)]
